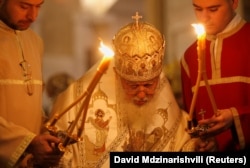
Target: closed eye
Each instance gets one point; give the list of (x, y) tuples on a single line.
[(213, 9)]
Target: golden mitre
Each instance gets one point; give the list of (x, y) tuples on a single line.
[(139, 51)]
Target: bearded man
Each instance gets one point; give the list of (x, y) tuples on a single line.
[(135, 95)]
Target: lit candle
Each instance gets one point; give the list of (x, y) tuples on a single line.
[(201, 49), (201, 40), (103, 66), (85, 98), (201, 46), (108, 55)]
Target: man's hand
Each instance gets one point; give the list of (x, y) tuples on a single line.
[(217, 124), (206, 145), (44, 150)]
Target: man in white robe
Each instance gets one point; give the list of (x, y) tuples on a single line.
[(21, 86), (140, 111)]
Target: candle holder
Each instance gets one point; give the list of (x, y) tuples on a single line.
[(67, 137), (194, 129)]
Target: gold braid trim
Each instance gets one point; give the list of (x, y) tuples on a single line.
[(18, 82), (20, 150), (238, 128)]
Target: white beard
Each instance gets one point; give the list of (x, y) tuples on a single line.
[(134, 116)]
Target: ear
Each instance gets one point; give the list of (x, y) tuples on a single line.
[(235, 4)]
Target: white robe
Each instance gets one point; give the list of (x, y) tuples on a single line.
[(20, 114), (169, 120)]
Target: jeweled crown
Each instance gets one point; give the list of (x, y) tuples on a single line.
[(139, 51)]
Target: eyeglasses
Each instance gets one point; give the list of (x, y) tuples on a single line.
[(26, 67), (134, 87)]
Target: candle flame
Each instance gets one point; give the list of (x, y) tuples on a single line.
[(199, 29), (107, 52)]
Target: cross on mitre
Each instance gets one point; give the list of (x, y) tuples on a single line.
[(136, 17)]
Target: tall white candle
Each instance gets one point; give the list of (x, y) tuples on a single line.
[(201, 47)]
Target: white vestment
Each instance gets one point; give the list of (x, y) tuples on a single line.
[(165, 131), (20, 113)]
